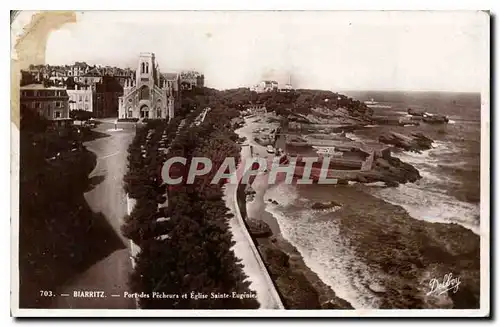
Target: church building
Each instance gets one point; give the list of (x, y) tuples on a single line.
[(148, 95)]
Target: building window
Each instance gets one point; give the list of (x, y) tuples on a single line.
[(58, 104), (79, 98), (57, 114), (86, 107), (37, 105), (86, 98), (129, 112), (144, 93), (35, 93)]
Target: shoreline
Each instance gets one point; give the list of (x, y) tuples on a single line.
[(290, 263), (298, 286), (366, 223)]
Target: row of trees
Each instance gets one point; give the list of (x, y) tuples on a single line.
[(189, 248)]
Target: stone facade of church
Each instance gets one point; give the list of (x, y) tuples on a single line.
[(149, 95)]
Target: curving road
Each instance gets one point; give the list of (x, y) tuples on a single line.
[(244, 247), (110, 275)]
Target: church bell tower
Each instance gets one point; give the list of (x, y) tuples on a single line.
[(145, 70)]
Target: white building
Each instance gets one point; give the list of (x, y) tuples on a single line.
[(265, 86), (80, 98), (149, 95)]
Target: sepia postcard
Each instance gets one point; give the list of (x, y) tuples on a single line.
[(250, 163)]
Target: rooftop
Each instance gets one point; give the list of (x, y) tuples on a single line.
[(93, 73), (40, 87)]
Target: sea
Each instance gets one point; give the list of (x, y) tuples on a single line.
[(448, 192)]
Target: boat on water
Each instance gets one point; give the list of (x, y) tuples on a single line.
[(371, 102)]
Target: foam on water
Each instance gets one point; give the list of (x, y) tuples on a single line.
[(375, 184), (353, 137), (431, 205), (426, 199), (324, 250), (429, 157)]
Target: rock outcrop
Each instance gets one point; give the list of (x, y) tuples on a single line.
[(417, 142), (427, 117), (435, 119), (258, 228), (324, 205), (392, 171), (414, 112)]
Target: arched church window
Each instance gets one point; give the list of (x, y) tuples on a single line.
[(142, 68), (147, 68), (144, 93)]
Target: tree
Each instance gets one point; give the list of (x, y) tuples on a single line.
[(82, 115)]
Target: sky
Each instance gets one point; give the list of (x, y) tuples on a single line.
[(441, 51)]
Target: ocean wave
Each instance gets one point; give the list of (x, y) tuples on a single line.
[(431, 205), (353, 137), (431, 157), (324, 250), (430, 178), (375, 184)]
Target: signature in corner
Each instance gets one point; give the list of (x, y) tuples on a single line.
[(449, 283)]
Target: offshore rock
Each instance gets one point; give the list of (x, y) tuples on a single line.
[(417, 142), (377, 288), (258, 228), (324, 205)]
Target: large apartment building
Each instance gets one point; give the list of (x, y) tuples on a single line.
[(81, 98), (50, 103)]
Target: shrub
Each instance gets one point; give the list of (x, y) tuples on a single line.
[(129, 120)]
